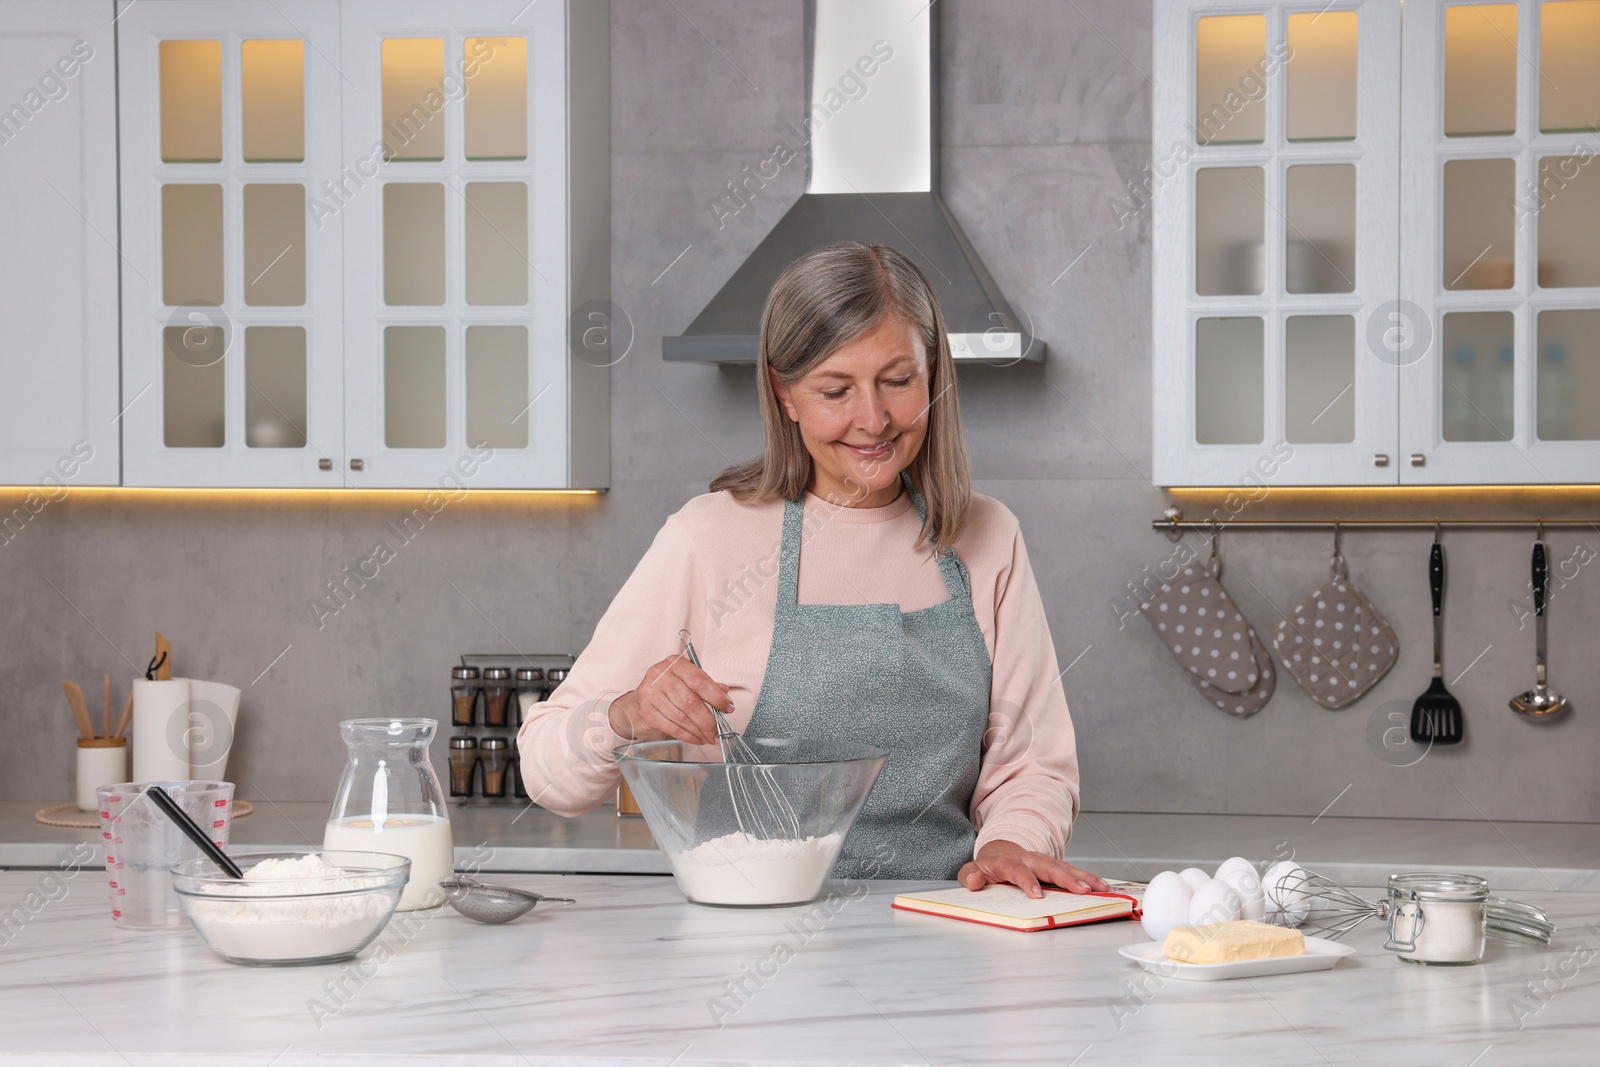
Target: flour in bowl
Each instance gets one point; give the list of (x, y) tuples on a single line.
[(739, 868), (239, 923)]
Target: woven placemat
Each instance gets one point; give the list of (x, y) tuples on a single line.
[(48, 816)]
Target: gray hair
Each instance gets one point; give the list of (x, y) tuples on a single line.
[(821, 302)]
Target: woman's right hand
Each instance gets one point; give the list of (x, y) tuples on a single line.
[(671, 702)]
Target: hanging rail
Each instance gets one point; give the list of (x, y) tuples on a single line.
[(1173, 524)]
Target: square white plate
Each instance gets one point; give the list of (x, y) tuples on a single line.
[(1320, 955)]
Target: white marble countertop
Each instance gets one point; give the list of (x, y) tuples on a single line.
[(1514, 856), (632, 974)]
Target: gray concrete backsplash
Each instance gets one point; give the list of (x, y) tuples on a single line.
[(1045, 115)]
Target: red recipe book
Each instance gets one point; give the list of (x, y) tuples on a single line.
[(1008, 907)]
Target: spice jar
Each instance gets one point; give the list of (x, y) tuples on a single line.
[(496, 757), (519, 788), (496, 695), (553, 679), (463, 761), (530, 690), (464, 696)]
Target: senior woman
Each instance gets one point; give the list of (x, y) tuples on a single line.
[(847, 583)]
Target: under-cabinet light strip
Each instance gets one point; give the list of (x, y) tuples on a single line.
[(56, 492), (1173, 525)]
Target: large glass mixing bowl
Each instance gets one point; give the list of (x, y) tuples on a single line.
[(752, 835)]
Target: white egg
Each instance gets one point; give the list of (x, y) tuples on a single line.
[(1234, 863), (1195, 877), (1247, 883), (1215, 902), (1285, 890), (1166, 904)]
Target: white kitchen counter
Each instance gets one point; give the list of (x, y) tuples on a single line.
[(1514, 856), (633, 975)]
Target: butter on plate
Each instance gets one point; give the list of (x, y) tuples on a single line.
[(1231, 942)]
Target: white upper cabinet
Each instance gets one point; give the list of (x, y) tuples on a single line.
[(58, 273), (367, 228), (1341, 299), (1501, 240), (1273, 184), (456, 328), (232, 305)]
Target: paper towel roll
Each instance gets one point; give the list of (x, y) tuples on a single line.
[(161, 730), (213, 710)]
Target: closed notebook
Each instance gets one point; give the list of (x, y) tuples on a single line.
[(1009, 907)]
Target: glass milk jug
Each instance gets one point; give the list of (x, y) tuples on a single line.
[(389, 800)]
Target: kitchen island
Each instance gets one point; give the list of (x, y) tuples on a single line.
[(631, 974)]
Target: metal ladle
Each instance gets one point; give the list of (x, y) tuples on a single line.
[(1539, 702), (492, 903)]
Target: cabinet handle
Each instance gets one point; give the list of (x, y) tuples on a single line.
[(324, 464), (358, 464), (1381, 459), (1418, 459)]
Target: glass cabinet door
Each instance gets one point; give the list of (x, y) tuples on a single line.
[(1502, 241), (1274, 191), (455, 341), (231, 280)]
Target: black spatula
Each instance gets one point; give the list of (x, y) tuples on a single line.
[(1436, 716)]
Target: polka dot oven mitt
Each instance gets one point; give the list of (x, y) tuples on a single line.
[(1209, 637), (1335, 643)]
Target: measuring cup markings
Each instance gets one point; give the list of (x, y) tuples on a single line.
[(140, 845)]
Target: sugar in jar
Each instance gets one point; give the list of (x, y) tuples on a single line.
[(1437, 919)]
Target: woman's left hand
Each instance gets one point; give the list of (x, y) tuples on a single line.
[(1006, 863)]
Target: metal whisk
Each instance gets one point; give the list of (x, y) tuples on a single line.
[(759, 806), (1329, 909)]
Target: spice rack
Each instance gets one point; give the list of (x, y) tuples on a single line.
[(488, 694)]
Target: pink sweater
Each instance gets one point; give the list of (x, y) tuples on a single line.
[(713, 571)]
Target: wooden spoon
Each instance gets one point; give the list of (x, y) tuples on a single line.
[(80, 708), (127, 714), (164, 659)]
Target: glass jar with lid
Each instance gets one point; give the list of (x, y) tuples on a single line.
[(496, 758), (1443, 920), (465, 696), (496, 696), (530, 690), (463, 765)]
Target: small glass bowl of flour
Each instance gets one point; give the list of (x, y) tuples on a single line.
[(296, 907)]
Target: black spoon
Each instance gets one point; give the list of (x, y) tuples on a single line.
[(193, 832)]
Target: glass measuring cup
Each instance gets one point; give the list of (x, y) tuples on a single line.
[(142, 844)]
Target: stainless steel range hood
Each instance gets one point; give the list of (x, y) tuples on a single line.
[(870, 142)]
